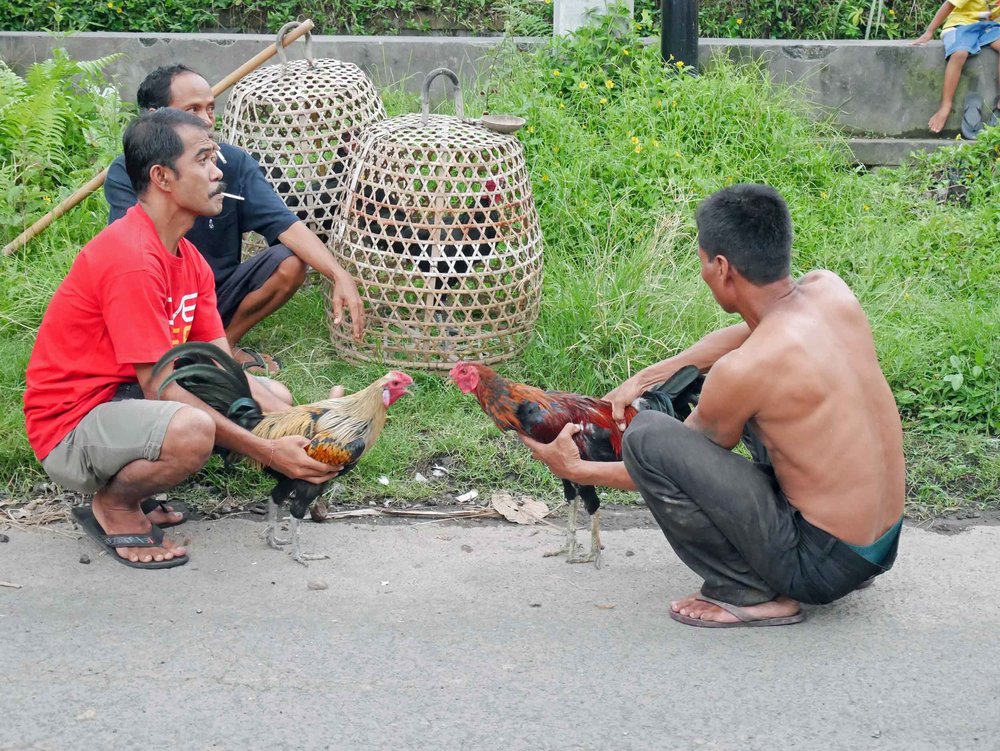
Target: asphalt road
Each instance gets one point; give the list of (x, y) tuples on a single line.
[(438, 636)]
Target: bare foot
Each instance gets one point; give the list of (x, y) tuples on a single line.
[(116, 521), (937, 121), (692, 607)]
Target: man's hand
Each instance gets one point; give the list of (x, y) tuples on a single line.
[(290, 459), (622, 397), (561, 456), (345, 295), (922, 39)]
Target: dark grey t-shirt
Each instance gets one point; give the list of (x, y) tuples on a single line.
[(219, 238)]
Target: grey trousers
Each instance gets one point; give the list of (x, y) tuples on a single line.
[(727, 520)]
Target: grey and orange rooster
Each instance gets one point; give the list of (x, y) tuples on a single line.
[(541, 415), (340, 430)]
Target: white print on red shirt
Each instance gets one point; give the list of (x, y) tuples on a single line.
[(185, 311)]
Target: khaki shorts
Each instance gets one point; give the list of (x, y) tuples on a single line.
[(111, 435)]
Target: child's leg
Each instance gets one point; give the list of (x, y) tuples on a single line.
[(952, 74)]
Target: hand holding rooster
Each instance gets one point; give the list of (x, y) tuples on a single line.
[(562, 456)]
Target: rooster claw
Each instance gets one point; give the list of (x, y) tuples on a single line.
[(275, 542), (303, 557)]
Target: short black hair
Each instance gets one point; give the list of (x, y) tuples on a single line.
[(749, 225), (154, 91), (152, 139)]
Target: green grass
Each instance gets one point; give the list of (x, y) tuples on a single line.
[(616, 184)]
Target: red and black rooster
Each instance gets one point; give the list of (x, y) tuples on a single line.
[(541, 415)]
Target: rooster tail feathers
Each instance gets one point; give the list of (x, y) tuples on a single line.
[(215, 378), (676, 396)]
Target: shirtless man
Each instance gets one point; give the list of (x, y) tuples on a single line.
[(818, 511)]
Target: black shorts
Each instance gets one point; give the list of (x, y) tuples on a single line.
[(247, 277)]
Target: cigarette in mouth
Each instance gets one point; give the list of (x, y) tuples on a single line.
[(230, 195)]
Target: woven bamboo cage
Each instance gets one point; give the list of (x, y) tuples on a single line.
[(440, 230), (299, 120)]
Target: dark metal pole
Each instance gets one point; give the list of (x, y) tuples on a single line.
[(679, 32)]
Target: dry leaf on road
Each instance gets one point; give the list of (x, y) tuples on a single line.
[(520, 510)]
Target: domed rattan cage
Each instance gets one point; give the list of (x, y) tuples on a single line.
[(299, 120), (439, 229)]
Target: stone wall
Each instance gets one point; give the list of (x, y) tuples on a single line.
[(880, 89)]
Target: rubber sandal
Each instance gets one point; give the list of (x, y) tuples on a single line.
[(994, 116), (972, 118), (84, 516), (746, 619), (261, 362), (151, 504)]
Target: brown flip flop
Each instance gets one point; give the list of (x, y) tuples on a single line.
[(746, 619)]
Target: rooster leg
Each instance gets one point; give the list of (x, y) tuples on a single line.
[(271, 533), (297, 555), (595, 543), (569, 547)]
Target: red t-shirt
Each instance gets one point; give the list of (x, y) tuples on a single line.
[(126, 300)]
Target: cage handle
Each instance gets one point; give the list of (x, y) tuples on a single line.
[(425, 94), (283, 53)]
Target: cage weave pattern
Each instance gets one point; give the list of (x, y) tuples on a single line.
[(298, 119), (440, 230)]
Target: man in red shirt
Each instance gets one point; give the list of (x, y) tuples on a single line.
[(134, 291)]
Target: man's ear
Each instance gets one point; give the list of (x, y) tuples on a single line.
[(160, 175)]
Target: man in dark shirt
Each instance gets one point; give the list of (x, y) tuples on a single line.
[(250, 291)]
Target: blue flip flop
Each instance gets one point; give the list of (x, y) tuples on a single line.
[(972, 117), (84, 516)]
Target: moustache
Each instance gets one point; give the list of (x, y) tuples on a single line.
[(220, 189)]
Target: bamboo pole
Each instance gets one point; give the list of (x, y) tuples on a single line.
[(98, 180)]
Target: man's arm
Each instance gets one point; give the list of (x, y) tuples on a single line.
[(562, 457), (703, 354), (311, 250), (943, 12), (728, 399)]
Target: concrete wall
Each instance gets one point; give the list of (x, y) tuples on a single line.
[(867, 88)]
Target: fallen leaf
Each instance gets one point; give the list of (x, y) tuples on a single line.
[(317, 585), (521, 510)]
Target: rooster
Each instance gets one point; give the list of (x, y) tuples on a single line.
[(463, 232), (340, 429), (541, 415)]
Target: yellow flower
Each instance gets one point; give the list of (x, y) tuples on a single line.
[(609, 84), (677, 154), (659, 103), (583, 84), (531, 128), (635, 140), (545, 178), (866, 207), (638, 148), (656, 144), (120, 10), (562, 106), (603, 100), (46, 199), (892, 12), (111, 6), (625, 51), (679, 64), (739, 21), (823, 194), (556, 73), (555, 149)]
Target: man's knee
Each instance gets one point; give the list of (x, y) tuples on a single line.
[(647, 440), (290, 274), (190, 438)]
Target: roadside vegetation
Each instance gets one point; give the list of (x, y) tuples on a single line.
[(621, 148), (750, 19)]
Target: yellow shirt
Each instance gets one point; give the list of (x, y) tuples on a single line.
[(966, 12)]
